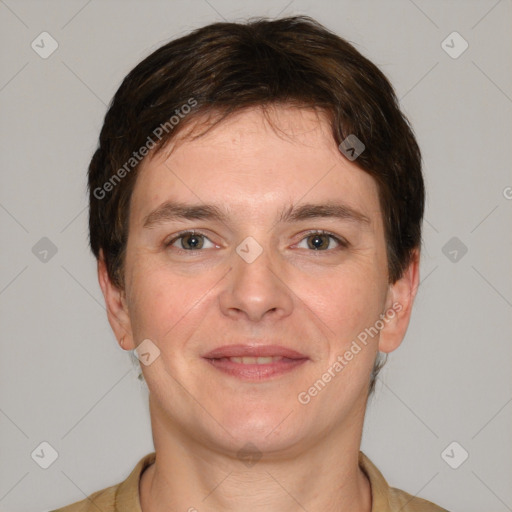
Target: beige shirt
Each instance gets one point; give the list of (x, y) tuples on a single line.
[(124, 497)]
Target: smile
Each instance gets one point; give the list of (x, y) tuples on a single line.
[(256, 369), (254, 360)]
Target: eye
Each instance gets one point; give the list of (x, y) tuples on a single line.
[(190, 241), (321, 241)]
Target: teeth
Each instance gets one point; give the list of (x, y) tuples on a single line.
[(255, 360)]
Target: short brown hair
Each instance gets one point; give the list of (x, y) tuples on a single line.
[(226, 67)]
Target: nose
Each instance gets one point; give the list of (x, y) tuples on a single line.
[(256, 290)]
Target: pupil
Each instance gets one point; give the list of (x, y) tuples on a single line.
[(193, 241), (317, 241)]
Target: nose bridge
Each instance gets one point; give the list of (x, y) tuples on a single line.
[(255, 285)]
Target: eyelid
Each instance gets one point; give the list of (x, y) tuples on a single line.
[(176, 236), (340, 240), (181, 234)]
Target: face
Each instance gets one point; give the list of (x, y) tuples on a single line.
[(270, 237)]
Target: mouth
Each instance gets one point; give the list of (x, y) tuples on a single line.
[(255, 363)]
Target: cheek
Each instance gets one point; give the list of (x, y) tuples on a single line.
[(164, 303), (350, 300)]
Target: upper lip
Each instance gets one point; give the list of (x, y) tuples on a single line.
[(254, 351)]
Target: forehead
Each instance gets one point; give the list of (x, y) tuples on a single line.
[(254, 159), (247, 129)]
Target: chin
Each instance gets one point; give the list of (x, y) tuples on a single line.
[(277, 432)]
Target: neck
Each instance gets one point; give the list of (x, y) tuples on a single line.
[(190, 476)]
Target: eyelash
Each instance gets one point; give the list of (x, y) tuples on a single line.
[(342, 243)]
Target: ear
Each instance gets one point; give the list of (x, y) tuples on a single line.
[(399, 302), (117, 310)]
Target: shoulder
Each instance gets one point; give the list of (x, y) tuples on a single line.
[(122, 496), (103, 500), (405, 502), (390, 499)]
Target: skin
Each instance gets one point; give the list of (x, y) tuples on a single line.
[(314, 301)]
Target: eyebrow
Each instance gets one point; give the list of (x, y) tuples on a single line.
[(172, 210), (335, 210)]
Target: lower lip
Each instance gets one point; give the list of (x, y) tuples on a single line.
[(256, 372)]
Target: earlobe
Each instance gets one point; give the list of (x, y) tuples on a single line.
[(117, 311), (399, 304)]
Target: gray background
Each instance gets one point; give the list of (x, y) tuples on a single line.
[(63, 378)]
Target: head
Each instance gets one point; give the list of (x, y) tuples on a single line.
[(249, 118)]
